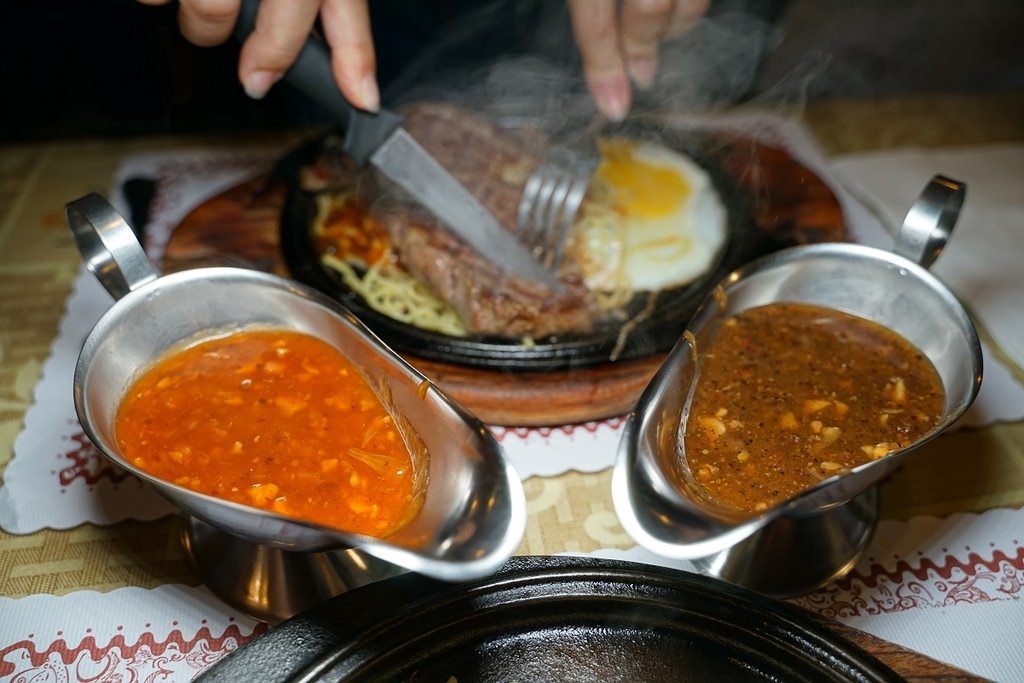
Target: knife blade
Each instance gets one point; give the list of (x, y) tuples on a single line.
[(379, 139)]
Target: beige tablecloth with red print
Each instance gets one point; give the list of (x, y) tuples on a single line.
[(94, 584)]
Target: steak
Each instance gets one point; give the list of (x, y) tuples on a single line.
[(493, 163)]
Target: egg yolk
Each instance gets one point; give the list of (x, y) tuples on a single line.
[(640, 188)]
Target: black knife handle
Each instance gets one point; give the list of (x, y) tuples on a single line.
[(311, 75)]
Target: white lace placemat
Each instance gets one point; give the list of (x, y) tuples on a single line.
[(170, 633)]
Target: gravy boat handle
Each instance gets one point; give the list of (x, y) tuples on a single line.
[(930, 221), (108, 245)]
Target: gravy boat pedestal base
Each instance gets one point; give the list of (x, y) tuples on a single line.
[(800, 552), (272, 584)]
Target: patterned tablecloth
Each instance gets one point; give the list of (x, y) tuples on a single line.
[(94, 583)]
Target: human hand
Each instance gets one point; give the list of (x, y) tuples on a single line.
[(618, 41), (282, 27)]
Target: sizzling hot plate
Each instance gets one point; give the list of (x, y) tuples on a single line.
[(552, 619), (656, 334)]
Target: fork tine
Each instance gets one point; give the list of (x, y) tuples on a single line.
[(551, 198), (553, 219), (542, 204), (570, 206), (527, 205)]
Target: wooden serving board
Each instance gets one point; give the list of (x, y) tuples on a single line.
[(913, 666), (791, 206)]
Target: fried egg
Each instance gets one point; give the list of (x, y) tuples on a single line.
[(651, 219)]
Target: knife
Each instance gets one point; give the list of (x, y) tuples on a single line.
[(380, 140)]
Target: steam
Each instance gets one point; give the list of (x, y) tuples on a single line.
[(729, 59), (712, 66), (538, 80)]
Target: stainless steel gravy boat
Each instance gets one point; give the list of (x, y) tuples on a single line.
[(473, 513), (818, 535)]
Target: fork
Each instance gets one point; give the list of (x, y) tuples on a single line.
[(551, 199)]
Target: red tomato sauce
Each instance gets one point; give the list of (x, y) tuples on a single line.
[(277, 420)]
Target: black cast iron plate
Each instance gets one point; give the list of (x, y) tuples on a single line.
[(552, 619)]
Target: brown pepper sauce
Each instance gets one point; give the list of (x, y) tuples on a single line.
[(791, 394)]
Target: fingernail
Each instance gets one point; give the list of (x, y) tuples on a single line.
[(611, 95), (643, 71), (369, 94), (257, 83)]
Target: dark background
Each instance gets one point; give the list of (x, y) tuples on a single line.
[(116, 67)]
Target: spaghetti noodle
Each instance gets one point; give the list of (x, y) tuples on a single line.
[(356, 247)]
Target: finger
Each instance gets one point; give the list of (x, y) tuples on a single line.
[(644, 22), (684, 16), (155, 2), (347, 29), (207, 22), (282, 27), (595, 26)]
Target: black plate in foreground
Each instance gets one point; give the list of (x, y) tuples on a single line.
[(552, 619)]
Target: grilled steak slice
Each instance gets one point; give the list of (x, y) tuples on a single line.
[(492, 163), (487, 300)]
